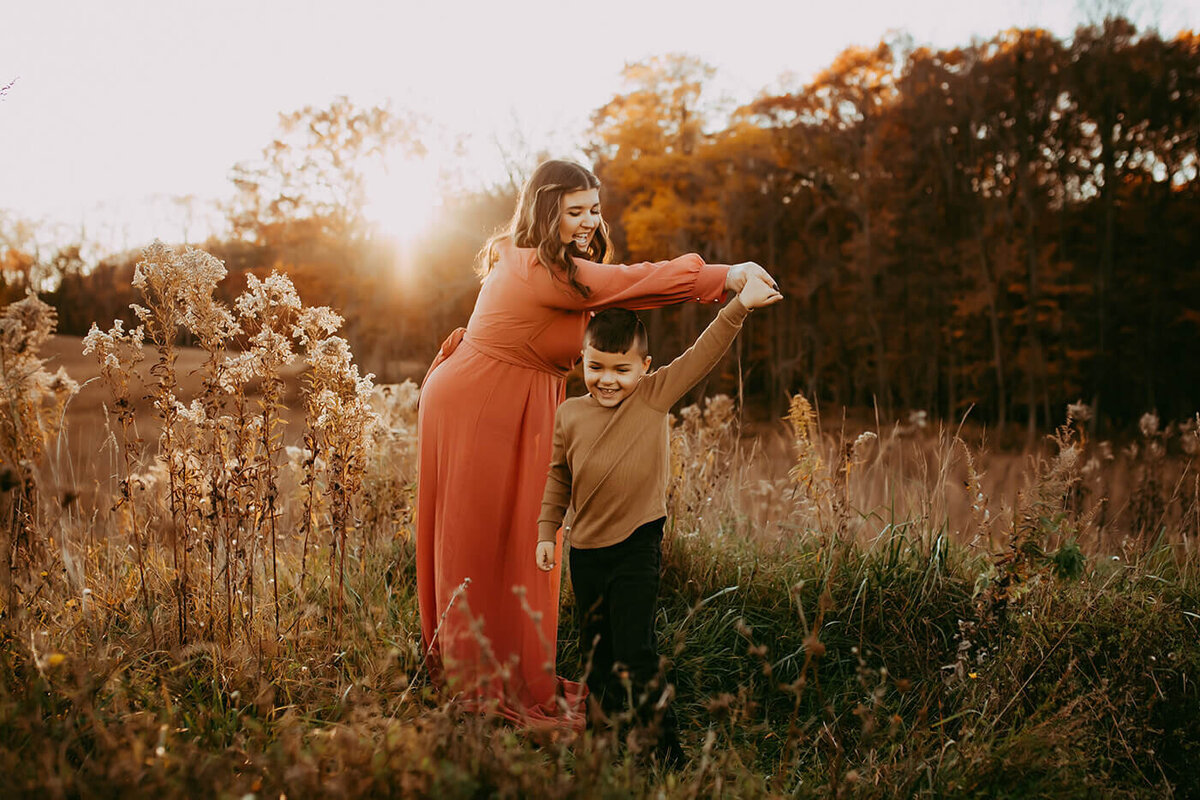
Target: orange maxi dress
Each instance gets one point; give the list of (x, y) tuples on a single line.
[(489, 616)]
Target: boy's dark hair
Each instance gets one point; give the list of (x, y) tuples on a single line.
[(617, 330)]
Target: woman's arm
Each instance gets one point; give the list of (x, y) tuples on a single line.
[(663, 283), (650, 284)]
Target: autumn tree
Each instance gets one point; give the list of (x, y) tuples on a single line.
[(311, 179), (644, 146)]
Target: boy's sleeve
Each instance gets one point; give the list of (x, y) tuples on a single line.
[(665, 386), (557, 495)]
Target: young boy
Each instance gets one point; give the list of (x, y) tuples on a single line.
[(610, 466)]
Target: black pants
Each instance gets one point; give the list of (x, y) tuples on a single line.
[(616, 595)]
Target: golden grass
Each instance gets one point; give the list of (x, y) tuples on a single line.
[(231, 608)]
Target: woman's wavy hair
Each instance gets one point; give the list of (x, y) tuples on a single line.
[(535, 222)]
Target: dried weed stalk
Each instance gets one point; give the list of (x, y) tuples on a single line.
[(33, 404)]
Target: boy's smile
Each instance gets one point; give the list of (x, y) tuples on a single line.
[(610, 377)]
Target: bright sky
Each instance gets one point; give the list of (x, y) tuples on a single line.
[(121, 105)]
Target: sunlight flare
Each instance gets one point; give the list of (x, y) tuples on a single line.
[(402, 197)]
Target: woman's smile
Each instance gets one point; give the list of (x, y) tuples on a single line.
[(579, 217)]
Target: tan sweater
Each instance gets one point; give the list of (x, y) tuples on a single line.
[(610, 465)]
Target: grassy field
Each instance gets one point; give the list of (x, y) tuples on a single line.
[(893, 612)]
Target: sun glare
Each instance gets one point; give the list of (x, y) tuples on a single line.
[(402, 197)]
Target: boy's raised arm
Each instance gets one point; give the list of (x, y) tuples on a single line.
[(557, 495), (664, 387)]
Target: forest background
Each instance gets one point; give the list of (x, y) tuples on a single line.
[(1001, 228)]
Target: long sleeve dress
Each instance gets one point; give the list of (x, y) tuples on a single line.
[(489, 616)]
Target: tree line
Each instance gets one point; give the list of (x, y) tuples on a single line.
[(1004, 227), (1009, 226)]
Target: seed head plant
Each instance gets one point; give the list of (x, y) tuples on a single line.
[(118, 353), (267, 311), (33, 405), (344, 425), (1042, 519), (702, 444), (222, 450), (1149, 500), (823, 492), (170, 286)]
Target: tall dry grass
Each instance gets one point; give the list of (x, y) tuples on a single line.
[(231, 608)]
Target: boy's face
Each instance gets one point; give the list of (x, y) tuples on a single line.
[(610, 377)]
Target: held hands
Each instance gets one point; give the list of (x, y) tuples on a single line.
[(758, 293), (545, 556), (738, 274)]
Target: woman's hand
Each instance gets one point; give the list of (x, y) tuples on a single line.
[(735, 281), (545, 556)]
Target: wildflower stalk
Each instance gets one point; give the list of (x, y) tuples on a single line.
[(341, 423), (309, 482), (235, 532), (118, 352), (349, 424), (213, 325), (270, 445), (268, 308), (160, 278), (32, 411), (212, 441)]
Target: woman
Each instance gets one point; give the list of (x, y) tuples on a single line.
[(489, 618)]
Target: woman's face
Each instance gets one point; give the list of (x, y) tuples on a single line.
[(579, 218)]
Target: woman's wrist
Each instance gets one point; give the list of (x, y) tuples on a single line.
[(735, 279)]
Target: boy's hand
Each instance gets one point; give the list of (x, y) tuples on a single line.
[(758, 293), (545, 556)]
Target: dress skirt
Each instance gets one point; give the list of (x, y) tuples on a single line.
[(486, 428)]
